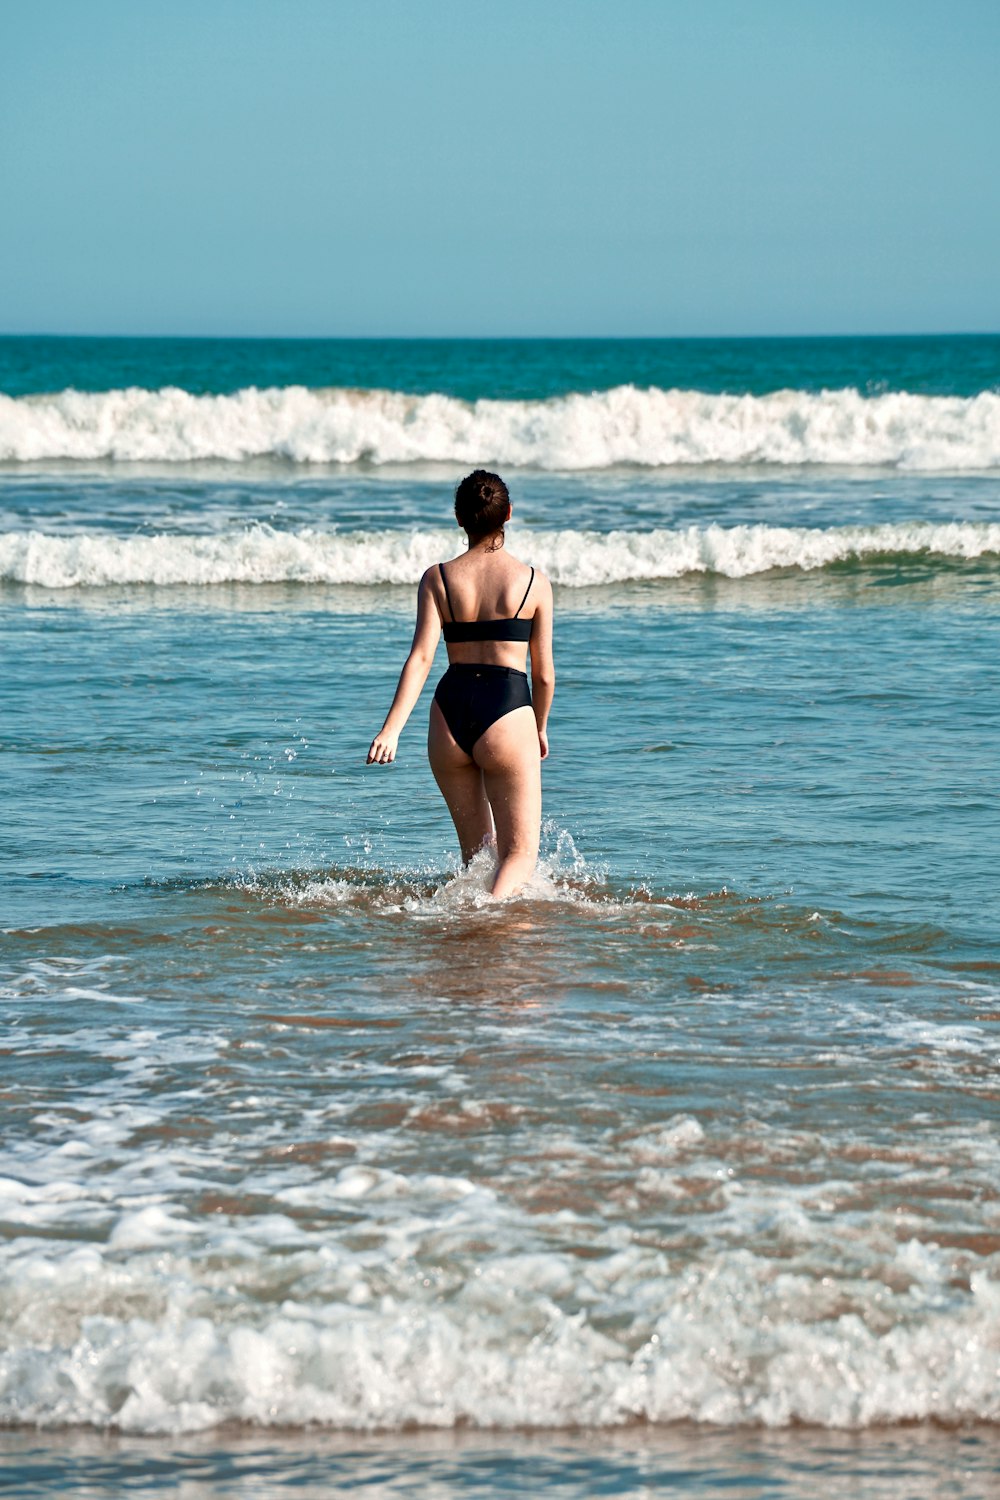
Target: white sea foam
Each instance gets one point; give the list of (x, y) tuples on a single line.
[(574, 559), (562, 876), (627, 425), (178, 1282), (150, 1342)]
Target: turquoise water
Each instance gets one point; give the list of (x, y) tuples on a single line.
[(505, 368), (698, 1138)]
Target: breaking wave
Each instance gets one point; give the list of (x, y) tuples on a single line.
[(574, 559), (596, 430), (171, 1325)]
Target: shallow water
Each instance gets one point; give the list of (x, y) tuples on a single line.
[(702, 1129), (638, 1463)]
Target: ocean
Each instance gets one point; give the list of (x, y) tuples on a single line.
[(682, 1171)]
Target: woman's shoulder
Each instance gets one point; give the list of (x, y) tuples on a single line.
[(434, 571), (434, 583), (540, 579), (526, 563), (538, 594)]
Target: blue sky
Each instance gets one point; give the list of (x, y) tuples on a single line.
[(458, 167)]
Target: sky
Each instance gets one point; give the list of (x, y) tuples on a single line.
[(499, 167)]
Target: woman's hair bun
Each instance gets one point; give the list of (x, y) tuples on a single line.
[(482, 503)]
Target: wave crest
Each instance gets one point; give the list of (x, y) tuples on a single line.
[(573, 559), (597, 430), (138, 1335)]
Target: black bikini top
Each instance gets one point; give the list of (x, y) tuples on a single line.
[(486, 630)]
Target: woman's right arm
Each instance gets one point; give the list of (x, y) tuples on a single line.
[(543, 672)]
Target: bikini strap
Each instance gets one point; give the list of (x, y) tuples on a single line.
[(526, 593), (451, 607)]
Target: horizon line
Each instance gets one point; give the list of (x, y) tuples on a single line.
[(507, 338)]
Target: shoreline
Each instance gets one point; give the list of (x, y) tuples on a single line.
[(923, 1458)]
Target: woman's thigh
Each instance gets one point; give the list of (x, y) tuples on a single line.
[(509, 756), (460, 782)]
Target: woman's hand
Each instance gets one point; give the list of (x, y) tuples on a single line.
[(543, 743), (383, 749)]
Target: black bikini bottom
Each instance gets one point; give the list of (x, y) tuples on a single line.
[(473, 696)]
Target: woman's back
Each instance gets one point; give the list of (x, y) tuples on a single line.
[(478, 588)]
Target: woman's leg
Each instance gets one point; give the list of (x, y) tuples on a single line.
[(461, 783), (508, 753)]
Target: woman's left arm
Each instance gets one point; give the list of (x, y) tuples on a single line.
[(412, 677)]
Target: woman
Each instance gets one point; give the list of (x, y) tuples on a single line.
[(487, 734)]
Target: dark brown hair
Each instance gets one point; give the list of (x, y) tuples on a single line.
[(481, 504)]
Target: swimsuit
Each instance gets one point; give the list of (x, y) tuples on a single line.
[(474, 695)]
